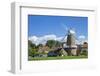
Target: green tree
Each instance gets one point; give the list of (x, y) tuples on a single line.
[(39, 45), (57, 44), (31, 48), (31, 51), (30, 44), (53, 43), (84, 52), (50, 43)]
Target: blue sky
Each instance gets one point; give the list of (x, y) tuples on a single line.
[(40, 25)]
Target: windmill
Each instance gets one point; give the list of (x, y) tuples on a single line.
[(69, 40)]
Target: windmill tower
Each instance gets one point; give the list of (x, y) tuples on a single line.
[(71, 42)]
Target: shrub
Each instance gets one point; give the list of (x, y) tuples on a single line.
[(84, 52)]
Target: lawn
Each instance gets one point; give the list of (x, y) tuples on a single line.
[(56, 58)]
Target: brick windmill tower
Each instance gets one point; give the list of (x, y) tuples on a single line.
[(71, 42)]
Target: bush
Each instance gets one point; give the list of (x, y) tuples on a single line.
[(84, 52)]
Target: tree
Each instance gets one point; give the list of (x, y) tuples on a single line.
[(31, 48), (53, 43), (31, 51), (50, 43), (57, 44), (30, 44), (39, 45), (84, 52)]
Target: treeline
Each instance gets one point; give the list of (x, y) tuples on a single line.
[(50, 44)]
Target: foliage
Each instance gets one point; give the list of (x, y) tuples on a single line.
[(50, 43), (58, 44), (32, 51), (84, 52), (31, 48), (39, 45), (30, 44), (53, 43)]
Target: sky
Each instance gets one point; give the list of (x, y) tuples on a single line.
[(41, 25)]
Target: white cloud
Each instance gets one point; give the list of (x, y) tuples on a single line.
[(33, 38), (44, 39), (81, 37), (81, 42)]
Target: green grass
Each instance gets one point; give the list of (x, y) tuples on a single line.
[(57, 58)]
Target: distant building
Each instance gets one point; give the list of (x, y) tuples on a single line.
[(84, 46)]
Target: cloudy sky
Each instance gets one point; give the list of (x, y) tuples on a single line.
[(43, 39), (42, 28)]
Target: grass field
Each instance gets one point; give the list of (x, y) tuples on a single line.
[(57, 58)]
